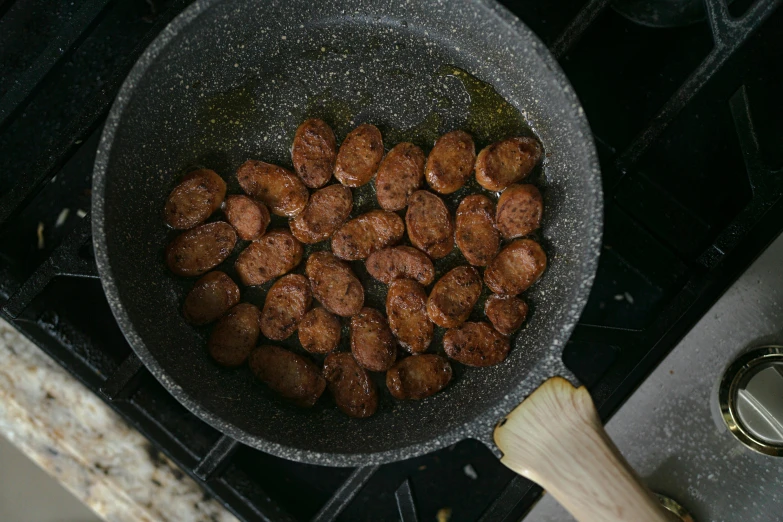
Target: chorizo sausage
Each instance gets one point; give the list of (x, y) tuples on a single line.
[(450, 162), (319, 331), (334, 284), (418, 376), (286, 304), (505, 312), (453, 297), (406, 308), (506, 162), (516, 267), (275, 254), (198, 195), (476, 344), (292, 376), (234, 335), (476, 235), (430, 227), (519, 211), (350, 385), (401, 173), (372, 342), (314, 152), (359, 156), (248, 217), (364, 234), (279, 189), (200, 249), (400, 262), (210, 297), (326, 211)]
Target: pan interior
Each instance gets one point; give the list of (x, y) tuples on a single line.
[(231, 81)]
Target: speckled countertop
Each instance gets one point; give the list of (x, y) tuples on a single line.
[(80, 441)]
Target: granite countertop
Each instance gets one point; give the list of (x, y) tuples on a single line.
[(73, 435)]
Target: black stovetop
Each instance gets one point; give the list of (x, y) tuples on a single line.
[(687, 121)]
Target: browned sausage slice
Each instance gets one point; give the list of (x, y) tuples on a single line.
[(350, 385), (406, 308), (453, 297), (506, 162), (364, 234), (334, 284), (319, 331), (400, 175), (279, 189), (359, 156), (198, 195), (292, 376), (505, 312), (418, 376), (476, 236), (286, 304), (450, 162), (476, 344), (400, 262), (430, 227), (516, 267), (275, 254), (234, 335), (326, 211), (210, 297), (314, 152), (200, 249), (372, 342), (248, 217), (519, 211)]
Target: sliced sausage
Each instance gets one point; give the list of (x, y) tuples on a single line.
[(372, 342), (314, 152), (359, 156), (476, 344), (319, 331), (401, 173), (198, 195), (418, 376), (248, 217), (334, 284), (505, 312), (234, 335), (516, 267), (367, 233), (350, 385), (279, 189), (506, 162), (292, 376), (200, 249), (450, 162), (286, 304), (453, 297), (400, 262), (476, 235), (430, 227), (275, 254), (519, 211), (406, 308), (210, 297), (326, 211)]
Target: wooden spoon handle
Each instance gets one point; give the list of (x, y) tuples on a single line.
[(555, 438)]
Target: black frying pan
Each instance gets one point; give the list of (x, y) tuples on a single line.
[(231, 80)]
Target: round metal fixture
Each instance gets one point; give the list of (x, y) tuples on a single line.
[(672, 506), (751, 399)]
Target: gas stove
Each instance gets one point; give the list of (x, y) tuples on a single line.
[(683, 99)]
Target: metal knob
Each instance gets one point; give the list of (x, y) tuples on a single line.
[(751, 399)]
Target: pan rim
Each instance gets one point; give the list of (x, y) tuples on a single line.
[(479, 427)]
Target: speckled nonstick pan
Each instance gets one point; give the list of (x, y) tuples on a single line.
[(231, 80)]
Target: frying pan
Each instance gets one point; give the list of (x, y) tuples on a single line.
[(231, 80)]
